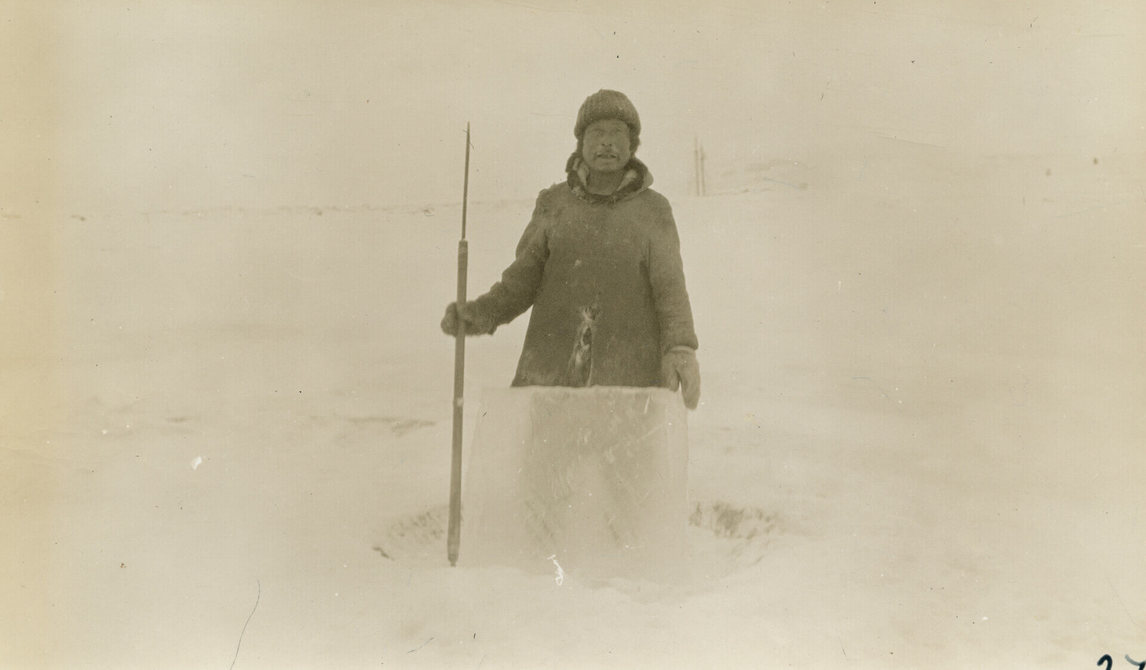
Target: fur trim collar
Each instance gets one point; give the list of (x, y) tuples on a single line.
[(637, 178)]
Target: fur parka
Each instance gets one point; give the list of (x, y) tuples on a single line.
[(606, 282)]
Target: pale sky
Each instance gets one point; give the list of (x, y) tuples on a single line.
[(182, 105)]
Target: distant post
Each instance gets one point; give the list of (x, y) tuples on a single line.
[(703, 181), (698, 165)]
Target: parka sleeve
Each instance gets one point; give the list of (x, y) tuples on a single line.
[(670, 295), (514, 294)]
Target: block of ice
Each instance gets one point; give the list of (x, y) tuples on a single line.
[(592, 479)]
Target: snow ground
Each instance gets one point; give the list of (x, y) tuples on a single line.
[(921, 442)]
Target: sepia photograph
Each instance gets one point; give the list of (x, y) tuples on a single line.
[(572, 334)]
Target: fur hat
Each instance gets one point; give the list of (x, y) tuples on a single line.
[(606, 104)]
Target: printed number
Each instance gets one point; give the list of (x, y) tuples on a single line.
[(1110, 662)]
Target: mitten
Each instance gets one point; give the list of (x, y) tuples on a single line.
[(477, 321), (679, 369)]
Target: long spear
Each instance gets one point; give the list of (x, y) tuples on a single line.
[(455, 527)]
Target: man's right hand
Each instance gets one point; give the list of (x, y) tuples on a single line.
[(477, 322)]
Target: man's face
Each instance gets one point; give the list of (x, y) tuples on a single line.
[(605, 145)]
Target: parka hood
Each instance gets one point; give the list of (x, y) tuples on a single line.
[(637, 178)]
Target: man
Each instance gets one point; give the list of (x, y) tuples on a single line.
[(600, 264)]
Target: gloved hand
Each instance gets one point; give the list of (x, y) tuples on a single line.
[(679, 369), (476, 320)]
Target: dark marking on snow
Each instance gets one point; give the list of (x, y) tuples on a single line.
[(876, 385), (397, 425), (420, 647), (747, 531), (737, 536), (258, 596), (725, 520), (415, 538)]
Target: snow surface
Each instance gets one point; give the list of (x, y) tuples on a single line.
[(920, 444)]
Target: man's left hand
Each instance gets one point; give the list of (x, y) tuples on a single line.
[(679, 369)]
